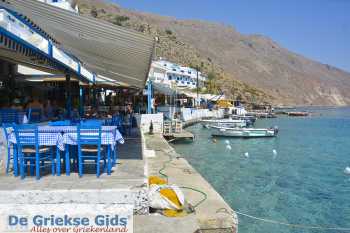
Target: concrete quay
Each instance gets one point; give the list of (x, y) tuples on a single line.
[(209, 214)]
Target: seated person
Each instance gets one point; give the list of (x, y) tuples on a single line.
[(16, 104), (48, 110), (35, 104)]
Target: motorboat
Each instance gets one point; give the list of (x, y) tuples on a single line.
[(243, 132), (229, 123), (249, 119), (298, 114)]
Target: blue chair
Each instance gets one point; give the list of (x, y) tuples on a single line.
[(28, 149), (6, 127), (60, 123), (58, 152), (116, 121), (9, 116), (89, 146), (34, 115)]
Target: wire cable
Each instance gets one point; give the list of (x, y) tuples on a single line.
[(171, 158), (299, 226)]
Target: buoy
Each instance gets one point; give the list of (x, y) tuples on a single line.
[(227, 142), (246, 154), (228, 147), (274, 152), (347, 170)]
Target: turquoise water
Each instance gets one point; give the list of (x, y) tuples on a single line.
[(303, 183)]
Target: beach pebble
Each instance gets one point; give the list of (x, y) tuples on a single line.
[(347, 170), (228, 147)]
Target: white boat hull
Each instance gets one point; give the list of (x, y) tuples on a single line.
[(243, 132), (227, 123)]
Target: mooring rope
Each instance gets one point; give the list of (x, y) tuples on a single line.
[(171, 158), (300, 226)]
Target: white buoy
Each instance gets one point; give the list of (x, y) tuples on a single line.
[(228, 147), (246, 154), (274, 152), (347, 170), (227, 142)]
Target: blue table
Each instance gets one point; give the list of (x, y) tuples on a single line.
[(63, 136)]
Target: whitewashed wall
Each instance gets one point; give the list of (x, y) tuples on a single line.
[(3, 152), (188, 114), (157, 120)]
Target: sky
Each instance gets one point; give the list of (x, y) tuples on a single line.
[(317, 29)]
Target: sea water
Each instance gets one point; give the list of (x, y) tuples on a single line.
[(298, 177)]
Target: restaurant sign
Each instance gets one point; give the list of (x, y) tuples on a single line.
[(64, 58), (22, 31), (73, 218)]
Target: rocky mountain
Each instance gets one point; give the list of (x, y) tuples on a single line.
[(251, 67)]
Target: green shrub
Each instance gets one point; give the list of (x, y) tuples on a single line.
[(120, 19), (168, 32)]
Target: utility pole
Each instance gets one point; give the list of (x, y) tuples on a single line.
[(197, 84)]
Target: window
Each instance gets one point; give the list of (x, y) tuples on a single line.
[(174, 69), (189, 72), (182, 71), (169, 77)]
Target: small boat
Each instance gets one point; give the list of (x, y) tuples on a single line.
[(229, 123), (298, 114), (243, 132), (249, 119), (262, 114)]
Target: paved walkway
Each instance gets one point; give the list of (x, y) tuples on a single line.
[(126, 184), (210, 215)]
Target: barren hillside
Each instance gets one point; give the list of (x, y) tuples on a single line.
[(251, 67)]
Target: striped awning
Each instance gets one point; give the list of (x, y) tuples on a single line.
[(108, 50)]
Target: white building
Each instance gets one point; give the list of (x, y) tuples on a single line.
[(175, 75), (70, 5)]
